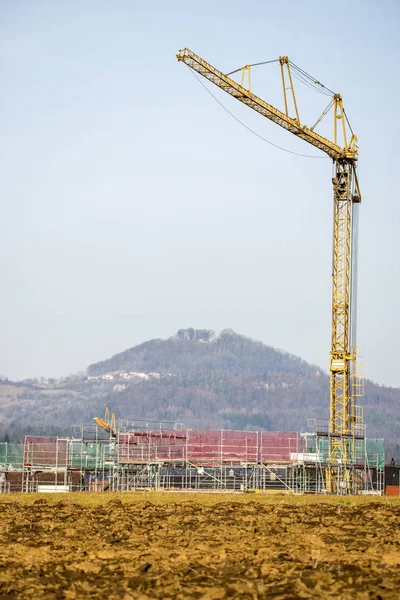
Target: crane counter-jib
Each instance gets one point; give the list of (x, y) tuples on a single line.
[(267, 110)]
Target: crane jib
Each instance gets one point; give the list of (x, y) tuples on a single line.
[(267, 110)]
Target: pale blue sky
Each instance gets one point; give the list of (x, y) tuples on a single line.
[(134, 205)]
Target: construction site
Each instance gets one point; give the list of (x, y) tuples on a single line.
[(147, 456), (330, 457)]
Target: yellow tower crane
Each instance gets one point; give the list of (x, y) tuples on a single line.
[(346, 418)]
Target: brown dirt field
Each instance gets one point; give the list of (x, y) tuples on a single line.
[(192, 546)]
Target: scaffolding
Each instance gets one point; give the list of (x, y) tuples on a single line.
[(11, 456), (361, 466), (149, 455), (11, 466)]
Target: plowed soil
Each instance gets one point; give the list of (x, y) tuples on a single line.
[(190, 546)]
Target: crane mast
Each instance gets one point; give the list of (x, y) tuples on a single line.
[(345, 417)]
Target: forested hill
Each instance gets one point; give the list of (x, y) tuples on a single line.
[(201, 351), (199, 378)]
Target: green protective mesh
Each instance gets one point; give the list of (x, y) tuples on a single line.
[(91, 455), (371, 451), (376, 453), (11, 455)]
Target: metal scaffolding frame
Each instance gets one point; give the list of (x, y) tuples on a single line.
[(164, 456)]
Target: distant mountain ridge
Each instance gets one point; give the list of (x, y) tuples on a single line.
[(199, 378)]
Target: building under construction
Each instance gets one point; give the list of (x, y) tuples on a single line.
[(142, 455)]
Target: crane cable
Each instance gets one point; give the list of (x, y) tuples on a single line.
[(249, 128), (308, 84), (265, 62), (317, 85)]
